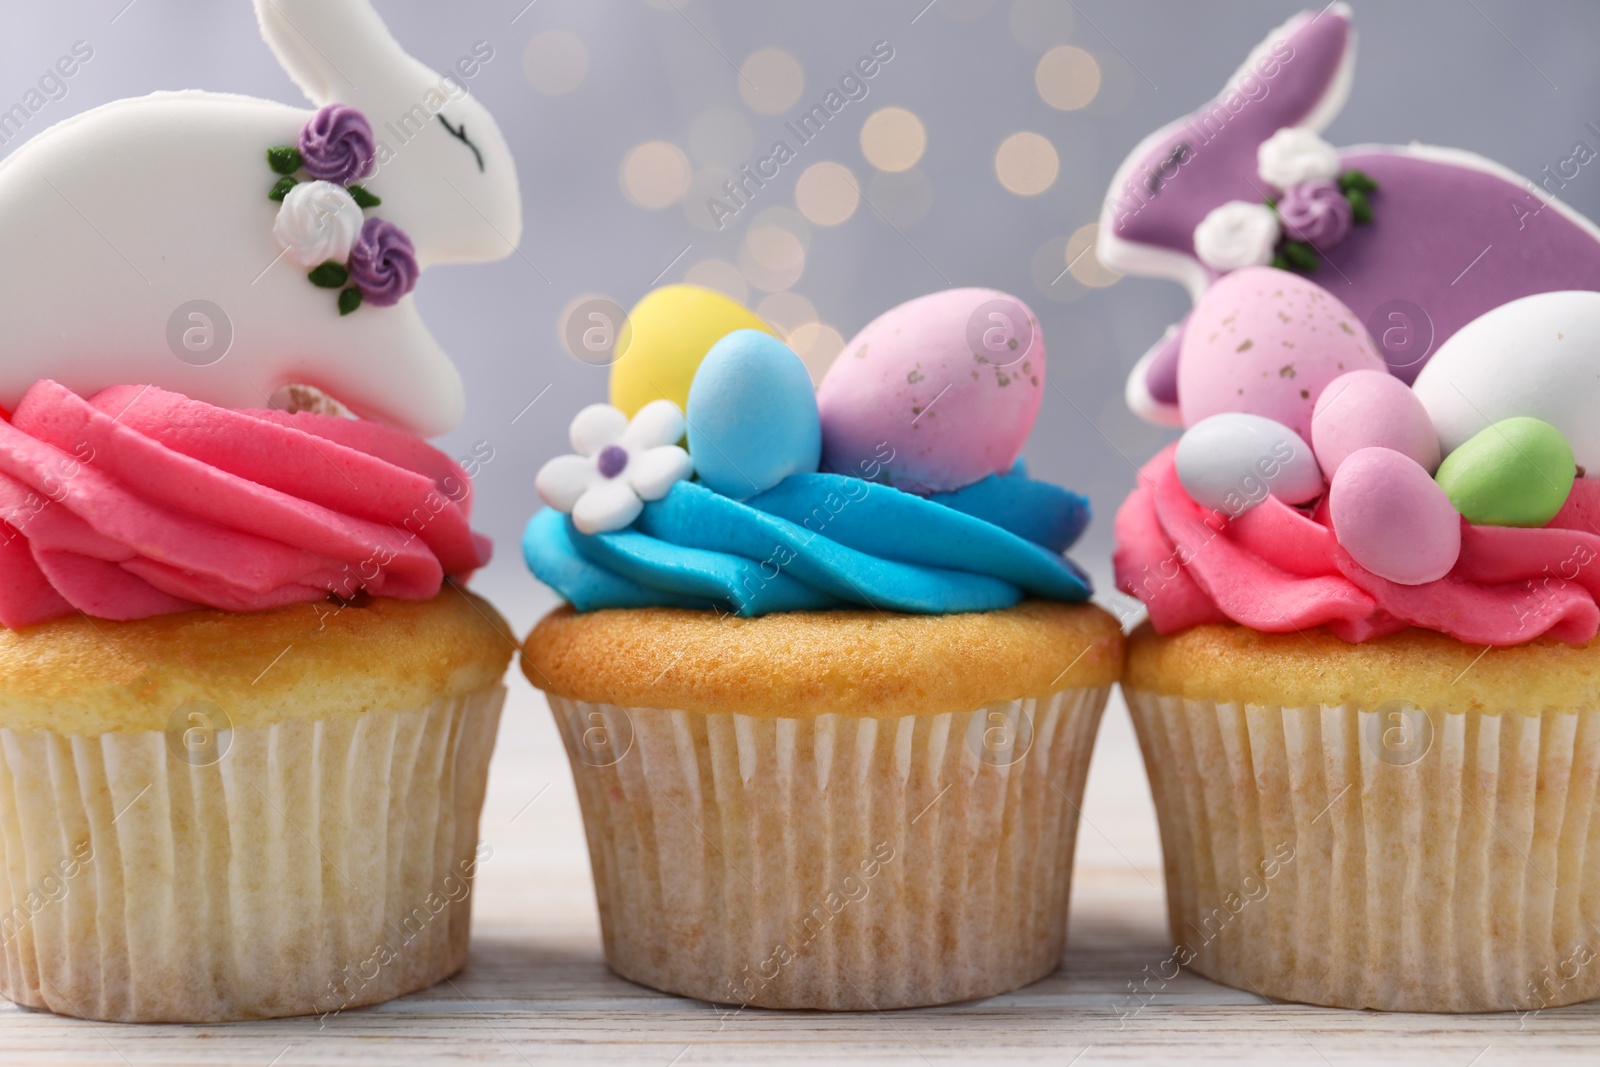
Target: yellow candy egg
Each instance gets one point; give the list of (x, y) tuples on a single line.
[(666, 336)]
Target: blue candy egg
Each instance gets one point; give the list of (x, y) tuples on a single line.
[(752, 416)]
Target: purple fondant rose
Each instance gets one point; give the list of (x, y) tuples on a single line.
[(1315, 212), (383, 265), (337, 146)]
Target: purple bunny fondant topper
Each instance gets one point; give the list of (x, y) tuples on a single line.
[(1441, 235)]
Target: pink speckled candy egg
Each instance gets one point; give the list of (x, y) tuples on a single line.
[(937, 393), (1266, 342), (1371, 409), (1393, 518)]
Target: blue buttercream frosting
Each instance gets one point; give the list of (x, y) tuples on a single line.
[(824, 541)]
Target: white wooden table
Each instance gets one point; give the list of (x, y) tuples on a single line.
[(537, 990)]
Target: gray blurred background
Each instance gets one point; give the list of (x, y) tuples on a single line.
[(625, 114)]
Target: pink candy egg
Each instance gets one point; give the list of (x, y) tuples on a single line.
[(1393, 518), (1371, 409), (1266, 342), (935, 394)]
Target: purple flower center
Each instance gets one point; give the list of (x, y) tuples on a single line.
[(612, 460)]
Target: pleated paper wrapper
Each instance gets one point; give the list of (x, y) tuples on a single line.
[(317, 866), (834, 862), (1394, 858)]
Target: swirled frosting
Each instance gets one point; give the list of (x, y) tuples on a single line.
[(138, 502), (820, 541), (1277, 569)]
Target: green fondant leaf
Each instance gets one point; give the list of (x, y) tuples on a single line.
[(1301, 256), (280, 188), (1360, 207), (1358, 181), (330, 275), (363, 198), (349, 300), (1279, 263), (1272, 202), (284, 159)]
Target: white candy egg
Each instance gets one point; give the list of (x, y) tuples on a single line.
[(1538, 356), (1233, 461)]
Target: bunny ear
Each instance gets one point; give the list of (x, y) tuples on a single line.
[(1298, 76), (328, 47), (1318, 54)]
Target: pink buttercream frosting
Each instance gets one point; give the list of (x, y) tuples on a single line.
[(1277, 569), (137, 502)]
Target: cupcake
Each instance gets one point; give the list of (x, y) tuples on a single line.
[(1368, 690), (827, 684), (246, 705)]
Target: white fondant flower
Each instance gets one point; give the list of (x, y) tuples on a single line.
[(1296, 154), (318, 222), (1236, 235), (618, 467)]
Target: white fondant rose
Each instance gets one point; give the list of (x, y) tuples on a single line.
[(1236, 235), (318, 222), (1296, 154)]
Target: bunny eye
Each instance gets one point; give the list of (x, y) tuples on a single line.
[(460, 134), (1167, 167)]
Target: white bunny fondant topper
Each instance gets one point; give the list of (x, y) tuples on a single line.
[(115, 223)]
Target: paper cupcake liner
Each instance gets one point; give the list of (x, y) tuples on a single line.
[(1391, 857), (833, 862), (315, 866)]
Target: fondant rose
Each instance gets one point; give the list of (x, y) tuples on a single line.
[(337, 145), (317, 222), (1296, 154), (1236, 235), (383, 265), (1315, 212)]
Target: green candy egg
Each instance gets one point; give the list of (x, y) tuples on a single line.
[(1517, 472)]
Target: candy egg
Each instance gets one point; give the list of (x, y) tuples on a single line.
[(1233, 461), (666, 335), (1535, 356), (752, 415), (1517, 472), (1371, 409), (935, 394), (1393, 518), (1266, 342)]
